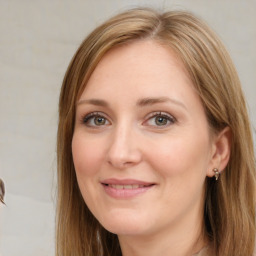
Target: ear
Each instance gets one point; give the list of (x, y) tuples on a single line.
[(221, 147)]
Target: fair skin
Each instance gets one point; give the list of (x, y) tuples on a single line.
[(142, 149)]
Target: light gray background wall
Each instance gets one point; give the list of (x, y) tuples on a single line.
[(37, 41)]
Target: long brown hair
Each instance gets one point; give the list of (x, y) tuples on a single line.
[(230, 202)]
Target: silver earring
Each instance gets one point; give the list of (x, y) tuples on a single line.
[(216, 173)]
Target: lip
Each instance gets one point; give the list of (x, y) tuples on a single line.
[(125, 188)]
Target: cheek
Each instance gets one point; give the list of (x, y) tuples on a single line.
[(87, 162), (87, 155), (182, 155)]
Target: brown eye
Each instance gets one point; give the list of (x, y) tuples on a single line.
[(160, 120), (99, 120)]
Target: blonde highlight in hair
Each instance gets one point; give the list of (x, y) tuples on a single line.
[(230, 202)]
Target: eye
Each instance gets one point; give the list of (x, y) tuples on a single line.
[(160, 119), (95, 119)]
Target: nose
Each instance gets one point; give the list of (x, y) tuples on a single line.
[(124, 150)]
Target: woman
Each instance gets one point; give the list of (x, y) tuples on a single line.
[(155, 153)]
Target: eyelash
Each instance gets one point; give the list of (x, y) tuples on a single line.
[(169, 119), (87, 118)]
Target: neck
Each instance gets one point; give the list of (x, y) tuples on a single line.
[(176, 241), (168, 245)]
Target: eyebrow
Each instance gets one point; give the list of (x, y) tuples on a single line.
[(141, 102), (151, 101), (96, 102)]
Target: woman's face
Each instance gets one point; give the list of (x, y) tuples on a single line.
[(141, 145)]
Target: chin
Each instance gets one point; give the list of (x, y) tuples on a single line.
[(124, 225), (124, 229)]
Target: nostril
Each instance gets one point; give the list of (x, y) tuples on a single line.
[(121, 164)]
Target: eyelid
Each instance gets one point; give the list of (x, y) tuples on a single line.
[(160, 113), (86, 117), (170, 117)]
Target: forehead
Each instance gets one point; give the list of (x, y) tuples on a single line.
[(141, 65)]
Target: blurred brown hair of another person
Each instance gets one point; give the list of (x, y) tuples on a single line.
[(2, 191)]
